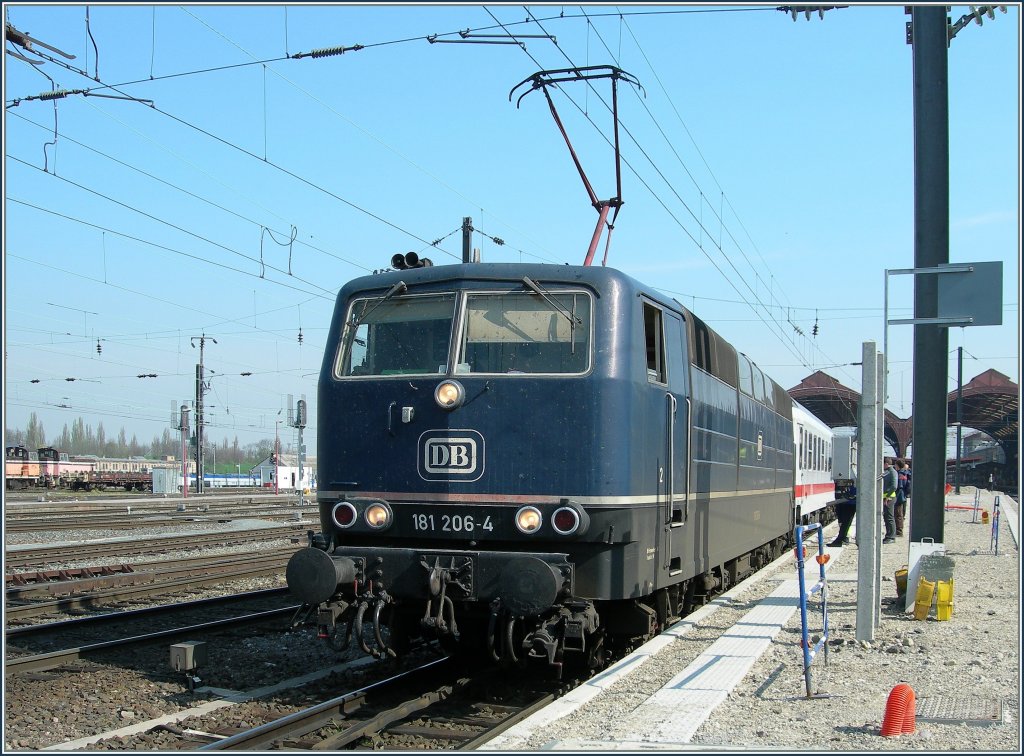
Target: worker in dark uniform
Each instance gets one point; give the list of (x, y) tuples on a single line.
[(846, 508)]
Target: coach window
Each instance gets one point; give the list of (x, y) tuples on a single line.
[(654, 338)]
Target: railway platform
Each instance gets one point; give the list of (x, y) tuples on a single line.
[(732, 674)]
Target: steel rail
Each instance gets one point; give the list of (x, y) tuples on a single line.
[(58, 582), (130, 614), (307, 720), (143, 520), (78, 551), (516, 718)]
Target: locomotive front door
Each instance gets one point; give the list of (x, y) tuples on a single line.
[(678, 423)]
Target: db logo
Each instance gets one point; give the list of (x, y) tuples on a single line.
[(455, 455)]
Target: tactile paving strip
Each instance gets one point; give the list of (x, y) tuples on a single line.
[(972, 711)]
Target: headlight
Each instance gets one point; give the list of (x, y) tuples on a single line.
[(343, 514), (449, 395), (378, 515), (528, 520)]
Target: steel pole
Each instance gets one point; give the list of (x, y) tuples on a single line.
[(931, 249), (199, 422)]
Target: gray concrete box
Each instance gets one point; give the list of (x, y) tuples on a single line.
[(188, 656)]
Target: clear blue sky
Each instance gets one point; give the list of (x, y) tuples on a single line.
[(767, 160)]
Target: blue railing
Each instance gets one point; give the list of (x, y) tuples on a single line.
[(818, 589)]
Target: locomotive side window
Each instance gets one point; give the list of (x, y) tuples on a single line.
[(746, 384), (398, 336), (518, 332), (701, 356), (759, 388), (654, 339)]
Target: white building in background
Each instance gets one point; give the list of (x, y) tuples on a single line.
[(287, 473)]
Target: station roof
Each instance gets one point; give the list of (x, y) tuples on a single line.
[(990, 403)]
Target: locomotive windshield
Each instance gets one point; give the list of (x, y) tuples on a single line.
[(400, 336), (509, 333), (526, 333)]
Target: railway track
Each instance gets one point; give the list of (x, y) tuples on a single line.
[(53, 659), (251, 567), (45, 555), (134, 518), (27, 585), (435, 706)]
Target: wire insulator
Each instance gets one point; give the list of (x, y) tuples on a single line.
[(327, 51), (56, 94)]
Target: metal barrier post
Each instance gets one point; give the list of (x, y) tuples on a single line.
[(977, 506), (820, 587)]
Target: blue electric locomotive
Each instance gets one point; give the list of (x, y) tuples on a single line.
[(536, 461)]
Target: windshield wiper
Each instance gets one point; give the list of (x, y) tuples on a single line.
[(574, 320), (398, 288)]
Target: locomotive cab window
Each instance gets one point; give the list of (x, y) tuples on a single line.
[(654, 339), (523, 332), (397, 336)]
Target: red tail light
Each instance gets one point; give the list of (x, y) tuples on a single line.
[(565, 521), (343, 514)]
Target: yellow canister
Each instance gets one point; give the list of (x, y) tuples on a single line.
[(923, 601), (943, 600), (901, 581)]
